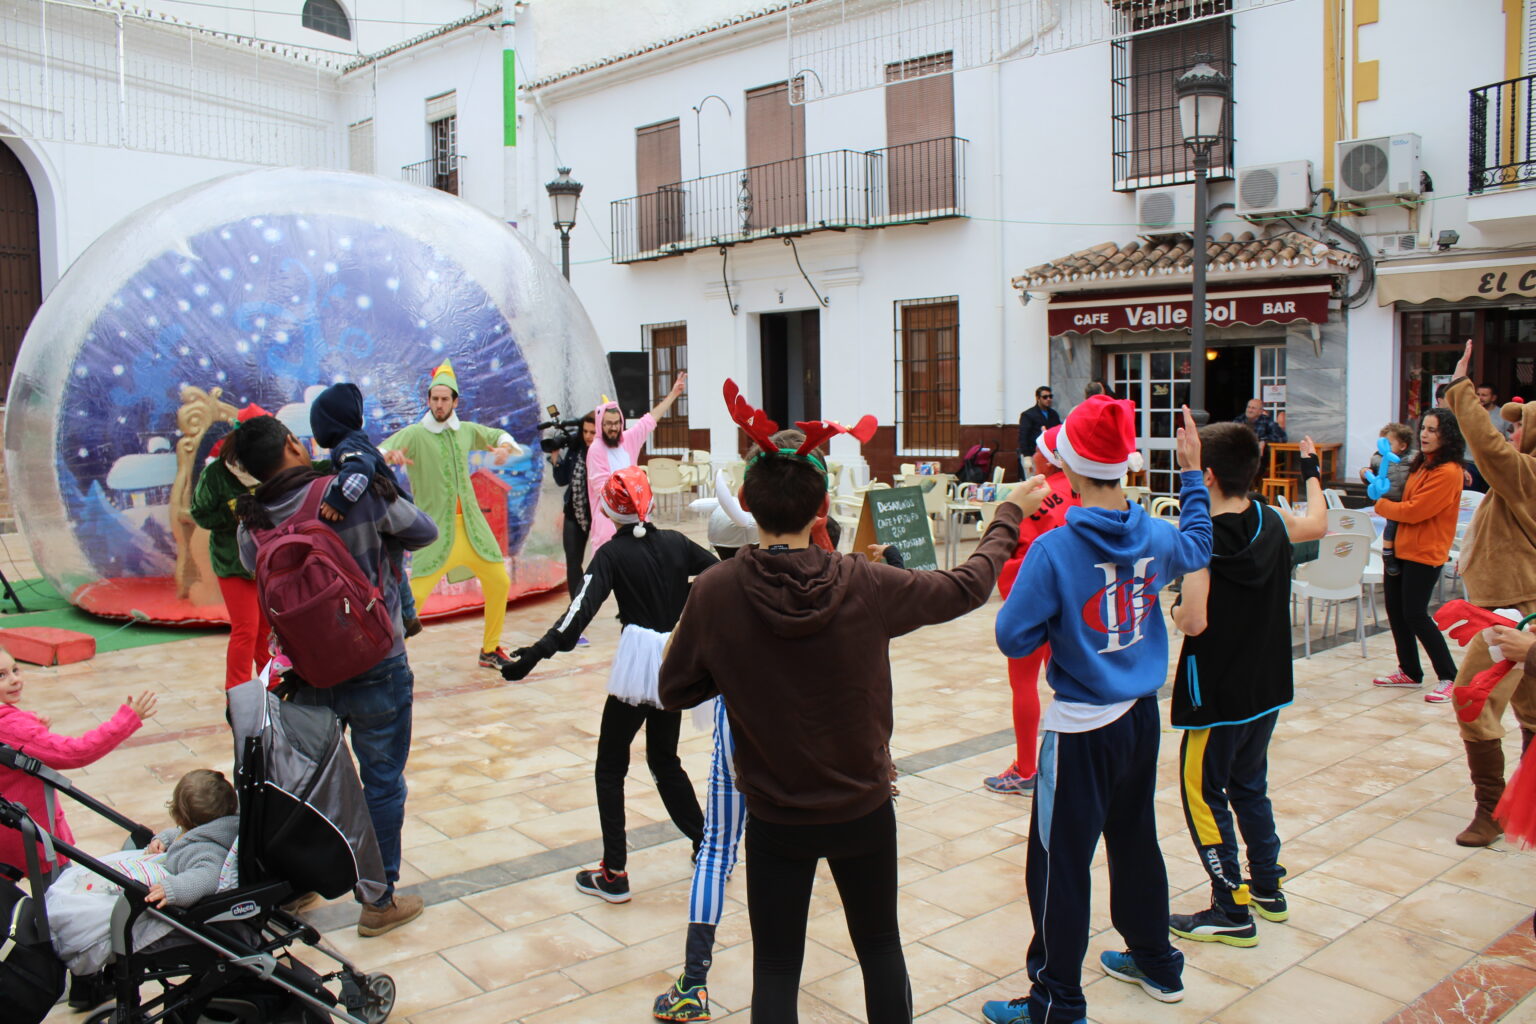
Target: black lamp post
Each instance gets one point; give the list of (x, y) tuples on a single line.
[(1202, 92), (564, 194)]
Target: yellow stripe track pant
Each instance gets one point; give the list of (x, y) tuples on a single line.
[(1224, 772), (495, 584)]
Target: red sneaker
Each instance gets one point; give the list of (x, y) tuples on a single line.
[(1397, 678)]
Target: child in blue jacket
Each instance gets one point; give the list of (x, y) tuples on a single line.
[(1090, 589)]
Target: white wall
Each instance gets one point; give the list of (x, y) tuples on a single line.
[(376, 24)]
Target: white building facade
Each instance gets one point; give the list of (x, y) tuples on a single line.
[(924, 222)]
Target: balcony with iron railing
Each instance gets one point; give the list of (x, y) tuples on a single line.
[(444, 173), (1503, 135), (833, 191)]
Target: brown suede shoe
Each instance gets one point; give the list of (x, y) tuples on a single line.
[(1481, 832), (301, 902), (401, 910)]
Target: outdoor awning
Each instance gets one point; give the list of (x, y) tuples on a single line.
[(1281, 303), (1457, 281)]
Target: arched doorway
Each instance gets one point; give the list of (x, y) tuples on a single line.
[(21, 287)]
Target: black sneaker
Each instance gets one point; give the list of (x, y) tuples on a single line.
[(1269, 905), (497, 659), (1213, 925), (88, 991), (612, 886)]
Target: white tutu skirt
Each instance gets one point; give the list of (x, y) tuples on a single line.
[(637, 666)]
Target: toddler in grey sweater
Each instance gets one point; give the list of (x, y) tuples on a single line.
[(207, 818)]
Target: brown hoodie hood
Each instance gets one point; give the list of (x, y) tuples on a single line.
[(1498, 554), (796, 593)]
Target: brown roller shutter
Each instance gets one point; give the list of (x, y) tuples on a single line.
[(658, 171), (775, 159), (919, 126)]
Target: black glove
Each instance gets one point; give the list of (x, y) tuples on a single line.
[(523, 660), (1311, 469)]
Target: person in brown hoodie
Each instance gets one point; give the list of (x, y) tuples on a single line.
[(797, 640), (1498, 564)]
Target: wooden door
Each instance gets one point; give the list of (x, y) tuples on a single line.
[(21, 286)]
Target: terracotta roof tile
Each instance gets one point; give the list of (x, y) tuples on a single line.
[(1167, 257)]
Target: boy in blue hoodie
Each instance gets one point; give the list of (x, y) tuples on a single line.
[(1090, 589)]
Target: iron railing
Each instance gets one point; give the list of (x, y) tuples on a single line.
[(446, 174), (1503, 135), (918, 181)]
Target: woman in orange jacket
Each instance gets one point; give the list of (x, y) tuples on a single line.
[(1426, 519)]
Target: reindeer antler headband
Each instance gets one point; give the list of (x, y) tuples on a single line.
[(761, 429)]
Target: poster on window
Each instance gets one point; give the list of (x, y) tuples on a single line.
[(1274, 394)]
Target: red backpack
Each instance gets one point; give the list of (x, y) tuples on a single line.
[(332, 620)]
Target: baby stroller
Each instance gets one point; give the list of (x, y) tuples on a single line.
[(229, 959)]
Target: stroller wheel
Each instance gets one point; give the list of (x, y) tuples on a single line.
[(380, 998)]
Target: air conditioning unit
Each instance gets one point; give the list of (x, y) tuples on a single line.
[(1274, 188), (1393, 243), (1165, 211), (1384, 168)]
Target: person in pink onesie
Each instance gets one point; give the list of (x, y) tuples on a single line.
[(617, 446), (28, 732)]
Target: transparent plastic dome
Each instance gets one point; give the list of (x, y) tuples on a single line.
[(264, 287)]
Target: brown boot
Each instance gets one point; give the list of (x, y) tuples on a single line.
[(398, 911), (1485, 759)]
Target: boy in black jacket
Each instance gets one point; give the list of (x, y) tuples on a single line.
[(1234, 676)]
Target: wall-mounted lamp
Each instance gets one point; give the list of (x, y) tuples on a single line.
[(1446, 239)]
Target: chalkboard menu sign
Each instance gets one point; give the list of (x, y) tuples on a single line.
[(896, 516)]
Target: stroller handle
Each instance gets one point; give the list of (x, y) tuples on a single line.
[(10, 757)]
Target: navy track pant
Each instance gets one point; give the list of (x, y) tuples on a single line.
[(1224, 772), (1093, 783)]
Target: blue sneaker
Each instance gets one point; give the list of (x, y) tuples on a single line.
[(1006, 1011), (1120, 965), (582, 640), (1010, 782)]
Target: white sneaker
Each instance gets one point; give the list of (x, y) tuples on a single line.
[(1440, 694)]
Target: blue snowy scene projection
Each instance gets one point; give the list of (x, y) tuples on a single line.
[(267, 309)]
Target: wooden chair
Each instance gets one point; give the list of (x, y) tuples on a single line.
[(1276, 487)]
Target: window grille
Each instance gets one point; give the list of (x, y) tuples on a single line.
[(668, 348), (928, 375), (1149, 148)]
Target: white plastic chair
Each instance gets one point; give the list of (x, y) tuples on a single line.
[(1336, 577), (1281, 501), (667, 478), (908, 469), (997, 474), (1333, 497), (1164, 507), (1471, 499), (1350, 520)]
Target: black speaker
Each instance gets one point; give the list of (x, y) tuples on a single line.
[(632, 380)]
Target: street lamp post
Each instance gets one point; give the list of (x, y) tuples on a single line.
[(564, 194), (1202, 93)]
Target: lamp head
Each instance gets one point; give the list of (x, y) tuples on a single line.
[(1202, 93), (564, 194)]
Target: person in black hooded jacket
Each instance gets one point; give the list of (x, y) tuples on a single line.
[(1234, 676), (336, 422)]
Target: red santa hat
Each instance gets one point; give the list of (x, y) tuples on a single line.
[(626, 498), (1047, 446), (250, 412), (1098, 440)]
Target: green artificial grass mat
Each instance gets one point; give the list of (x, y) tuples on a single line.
[(45, 607)]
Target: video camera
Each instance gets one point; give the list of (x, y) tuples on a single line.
[(567, 431)]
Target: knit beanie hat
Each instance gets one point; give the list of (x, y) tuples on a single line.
[(1098, 439), (626, 498)]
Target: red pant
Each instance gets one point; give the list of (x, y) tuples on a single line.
[(1024, 677), (247, 630)]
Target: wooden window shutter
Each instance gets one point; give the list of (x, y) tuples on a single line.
[(1157, 60), (919, 126), (658, 171), (775, 159)]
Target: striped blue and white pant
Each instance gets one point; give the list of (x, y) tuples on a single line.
[(725, 819)]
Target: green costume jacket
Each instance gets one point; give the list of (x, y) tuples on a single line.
[(439, 474), (213, 508)]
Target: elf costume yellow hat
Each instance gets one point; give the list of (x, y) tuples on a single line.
[(445, 376)]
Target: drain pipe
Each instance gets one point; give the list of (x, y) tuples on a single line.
[(1001, 249)]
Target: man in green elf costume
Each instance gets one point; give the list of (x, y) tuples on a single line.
[(435, 453)]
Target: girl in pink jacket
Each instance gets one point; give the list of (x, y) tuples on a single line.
[(28, 733)]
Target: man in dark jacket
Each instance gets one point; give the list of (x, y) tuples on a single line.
[(570, 472), (1234, 676), (811, 746), (1033, 422), (376, 705)]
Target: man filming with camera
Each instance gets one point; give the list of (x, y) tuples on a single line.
[(568, 456)]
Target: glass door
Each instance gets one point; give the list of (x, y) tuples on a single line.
[(1158, 382)]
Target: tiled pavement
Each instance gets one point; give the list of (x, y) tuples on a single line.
[(1390, 919)]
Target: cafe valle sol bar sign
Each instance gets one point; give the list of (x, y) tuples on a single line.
[(1171, 312)]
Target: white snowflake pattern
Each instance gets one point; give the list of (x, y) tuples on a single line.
[(117, 370), (364, 301)]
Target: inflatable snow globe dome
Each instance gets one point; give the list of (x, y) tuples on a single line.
[(262, 288)]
